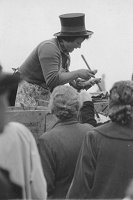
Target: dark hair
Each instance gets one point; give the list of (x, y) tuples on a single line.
[(72, 38)]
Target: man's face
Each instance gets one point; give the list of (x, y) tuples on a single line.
[(70, 46), (3, 107)]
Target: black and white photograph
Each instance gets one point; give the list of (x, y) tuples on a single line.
[(66, 99)]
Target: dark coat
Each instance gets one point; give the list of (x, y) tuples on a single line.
[(8, 189), (87, 113), (105, 163), (59, 149)]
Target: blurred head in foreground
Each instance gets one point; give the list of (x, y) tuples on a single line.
[(65, 102), (121, 102), (7, 81)]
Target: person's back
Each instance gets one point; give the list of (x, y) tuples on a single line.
[(105, 164), (62, 143), (59, 147), (114, 161), (31, 69)]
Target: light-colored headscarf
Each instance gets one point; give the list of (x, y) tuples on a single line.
[(121, 102)]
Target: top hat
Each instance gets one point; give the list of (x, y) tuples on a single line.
[(8, 81), (73, 24)]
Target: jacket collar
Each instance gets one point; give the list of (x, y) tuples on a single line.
[(67, 122), (114, 130)]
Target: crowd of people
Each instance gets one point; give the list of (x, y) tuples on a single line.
[(77, 158)]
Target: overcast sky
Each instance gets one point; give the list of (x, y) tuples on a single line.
[(25, 23)]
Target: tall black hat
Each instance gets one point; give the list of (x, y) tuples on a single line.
[(73, 24)]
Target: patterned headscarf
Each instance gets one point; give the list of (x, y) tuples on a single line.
[(121, 102)]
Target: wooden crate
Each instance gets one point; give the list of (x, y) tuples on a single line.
[(38, 119), (32, 117), (100, 106)]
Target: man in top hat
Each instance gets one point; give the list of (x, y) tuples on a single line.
[(48, 64)]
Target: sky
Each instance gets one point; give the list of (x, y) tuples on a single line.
[(25, 23)]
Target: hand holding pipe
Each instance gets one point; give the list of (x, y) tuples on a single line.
[(90, 69)]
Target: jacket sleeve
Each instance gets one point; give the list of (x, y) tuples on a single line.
[(85, 170), (48, 164), (49, 58), (37, 180)]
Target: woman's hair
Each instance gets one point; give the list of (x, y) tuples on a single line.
[(65, 102), (121, 102), (72, 38)]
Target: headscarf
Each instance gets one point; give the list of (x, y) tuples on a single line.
[(121, 102)]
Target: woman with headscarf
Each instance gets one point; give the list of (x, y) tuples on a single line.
[(105, 164)]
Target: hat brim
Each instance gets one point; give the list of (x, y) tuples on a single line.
[(84, 33)]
